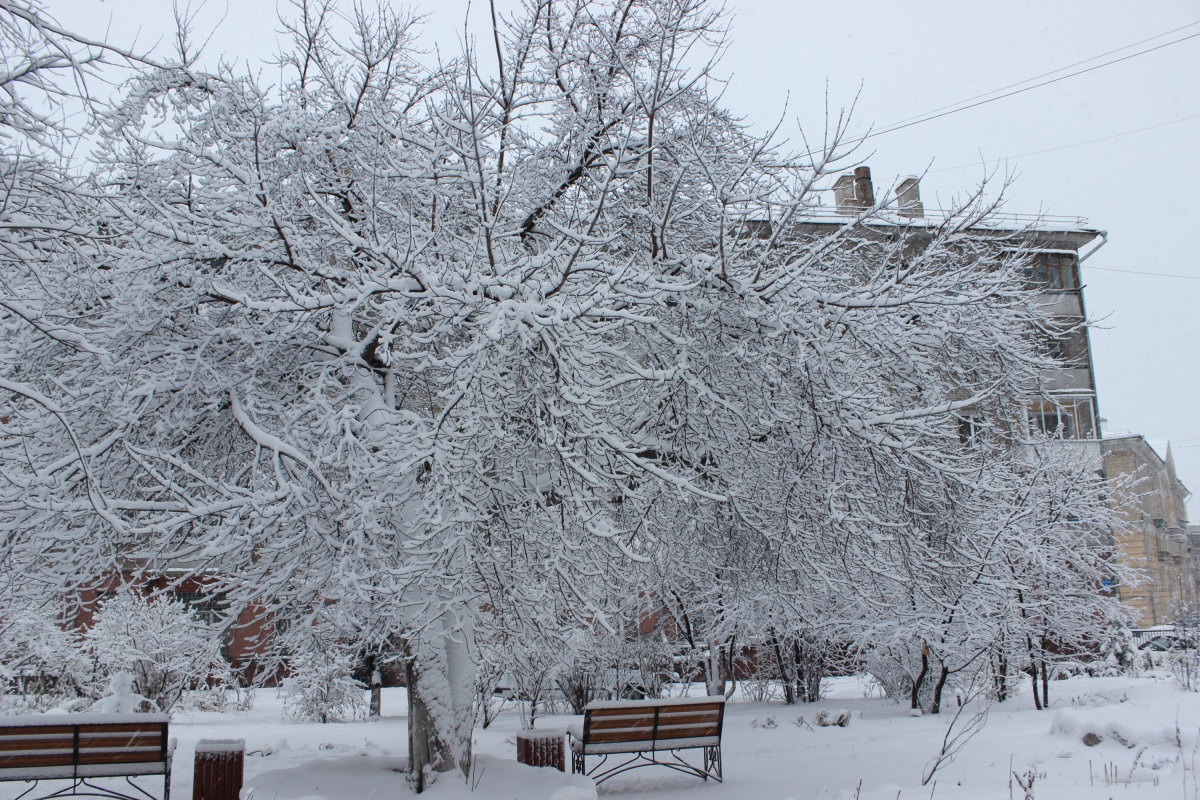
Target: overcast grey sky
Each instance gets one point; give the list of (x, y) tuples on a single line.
[(905, 59)]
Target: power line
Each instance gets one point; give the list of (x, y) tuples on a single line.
[(1136, 272), (928, 118), (1055, 71), (954, 108), (1067, 146)]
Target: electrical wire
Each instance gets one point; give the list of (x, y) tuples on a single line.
[(1054, 71), (1067, 146), (954, 108), (928, 118), (1136, 272)]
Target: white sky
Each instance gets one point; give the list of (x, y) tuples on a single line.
[(911, 58)]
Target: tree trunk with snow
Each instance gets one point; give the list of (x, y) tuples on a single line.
[(440, 678), (375, 708)]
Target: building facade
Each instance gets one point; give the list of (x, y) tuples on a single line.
[(1152, 537), (1065, 402)]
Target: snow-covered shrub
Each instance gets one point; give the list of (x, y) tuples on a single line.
[(320, 687), (1185, 667), (888, 668), (827, 718), (162, 644), (40, 660), (533, 672)]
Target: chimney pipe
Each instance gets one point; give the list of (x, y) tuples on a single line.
[(843, 194), (853, 193), (864, 191), (908, 197)]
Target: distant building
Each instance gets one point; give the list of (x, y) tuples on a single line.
[(1193, 615), (1065, 402), (1154, 535)]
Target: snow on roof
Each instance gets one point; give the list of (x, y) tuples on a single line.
[(934, 217)]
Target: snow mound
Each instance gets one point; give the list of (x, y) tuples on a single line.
[(378, 777), (121, 698), (1090, 728), (828, 719)]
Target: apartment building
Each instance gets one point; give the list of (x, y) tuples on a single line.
[(1064, 403), (1151, 503), (1153, 537)]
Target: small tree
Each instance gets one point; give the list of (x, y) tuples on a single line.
[(161, 643), (320, 687)]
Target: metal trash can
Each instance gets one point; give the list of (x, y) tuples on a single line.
[(220, 769), (542, 749)]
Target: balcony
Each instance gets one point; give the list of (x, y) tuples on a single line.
[(1061, 304), (1076, 380), (1087, 451)]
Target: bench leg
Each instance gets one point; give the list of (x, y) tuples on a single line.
[(712, 763), (27, 791)]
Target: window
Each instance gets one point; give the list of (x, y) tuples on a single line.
[(1054, 271), (969, 429), (1053, 422), (209, 608)]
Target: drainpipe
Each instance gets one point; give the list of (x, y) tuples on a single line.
[(1091, 366), (1103, 241)]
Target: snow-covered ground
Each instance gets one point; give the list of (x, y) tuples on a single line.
[(1149, 748)]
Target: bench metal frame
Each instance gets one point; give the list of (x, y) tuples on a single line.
[(665, 757)]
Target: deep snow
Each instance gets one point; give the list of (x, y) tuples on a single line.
[(1149, 749)]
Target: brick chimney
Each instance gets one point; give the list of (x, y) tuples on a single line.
[(843, 194), (864, 192), (908, 198), (853, 193)]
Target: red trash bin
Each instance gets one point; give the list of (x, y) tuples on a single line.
[(220, 768), (542, 749)]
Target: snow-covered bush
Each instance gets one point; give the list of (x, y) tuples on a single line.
[(320, 687), (162, 644), (40, 659)]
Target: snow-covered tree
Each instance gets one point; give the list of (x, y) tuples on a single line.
[(393, 352), (159, 642), (40, 656), (320, 687)]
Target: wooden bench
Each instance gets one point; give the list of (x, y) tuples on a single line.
[(652, 732), (79, 747)]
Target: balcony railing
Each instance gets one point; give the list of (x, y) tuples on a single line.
[(932, 217)]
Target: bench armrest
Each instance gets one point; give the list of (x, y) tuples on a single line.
[(575, 730), (172, 743)]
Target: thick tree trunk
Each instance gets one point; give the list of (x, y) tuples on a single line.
[(1033, 672), (376, 710), (786, 675), (1045, 685), (810, 670), (916, 687), (936, 706), (440, 678), (1001, 678), (712, 670)]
